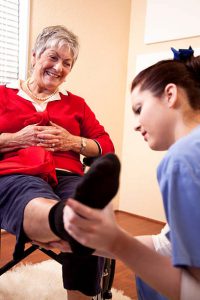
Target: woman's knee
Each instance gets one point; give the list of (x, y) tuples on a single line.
[(35, 222)]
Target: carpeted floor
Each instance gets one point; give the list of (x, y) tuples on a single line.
[(40, 281)]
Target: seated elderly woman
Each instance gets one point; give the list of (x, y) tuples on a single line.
[(44, 129)]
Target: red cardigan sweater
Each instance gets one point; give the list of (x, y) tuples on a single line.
[(71, 112)]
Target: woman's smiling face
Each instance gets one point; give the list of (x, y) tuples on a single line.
[(52, 67)]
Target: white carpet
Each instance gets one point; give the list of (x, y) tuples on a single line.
[(40, 281)]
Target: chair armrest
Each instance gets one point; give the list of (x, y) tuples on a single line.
[(87, 161)]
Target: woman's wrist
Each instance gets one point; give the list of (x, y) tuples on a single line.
[(8, 142), (6, 139), (83, 145), (75, 144), (116, 242)]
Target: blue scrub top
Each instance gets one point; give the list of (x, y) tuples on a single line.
[(179, 180)]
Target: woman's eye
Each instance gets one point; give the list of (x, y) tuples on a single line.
[(138, 110), (67, 64), (53, 58)]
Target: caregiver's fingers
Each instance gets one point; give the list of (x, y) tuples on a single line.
[(71, 218), (81, 235), (83, 210)]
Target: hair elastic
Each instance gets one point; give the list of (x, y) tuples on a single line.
[(182, 54)]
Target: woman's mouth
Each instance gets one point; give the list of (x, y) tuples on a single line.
[(144, 134), (51, 74)]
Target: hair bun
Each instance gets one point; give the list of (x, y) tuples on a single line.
[(191, 62), (183, 54)]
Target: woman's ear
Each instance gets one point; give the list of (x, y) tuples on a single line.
[(170, 93), (33, 59)]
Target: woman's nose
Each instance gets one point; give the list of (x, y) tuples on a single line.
[(136, 125), (58, 66)]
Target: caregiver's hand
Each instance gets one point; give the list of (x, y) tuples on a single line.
[(91, 227)]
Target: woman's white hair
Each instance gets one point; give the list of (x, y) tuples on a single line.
[(54, 36)]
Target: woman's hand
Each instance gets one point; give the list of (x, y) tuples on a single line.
[(52, 138), (23, 138), (91, 227), (56, 138)]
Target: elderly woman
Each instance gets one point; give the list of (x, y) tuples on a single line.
[(44, 129)]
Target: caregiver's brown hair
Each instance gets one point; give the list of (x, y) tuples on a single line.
[(185, 74)]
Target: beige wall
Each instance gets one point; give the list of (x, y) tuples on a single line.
[(99, 74), (139, 192), (102, 78)]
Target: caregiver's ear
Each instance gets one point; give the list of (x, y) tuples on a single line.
[(170, 93)]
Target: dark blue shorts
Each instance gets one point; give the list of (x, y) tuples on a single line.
[(15, 193)]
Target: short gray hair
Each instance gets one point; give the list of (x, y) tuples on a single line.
[(57, 35)]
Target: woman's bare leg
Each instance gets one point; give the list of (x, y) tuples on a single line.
[(36, 220), (36, 227)]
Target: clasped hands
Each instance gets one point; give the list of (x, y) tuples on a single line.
[(52, 138)]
